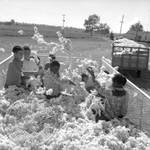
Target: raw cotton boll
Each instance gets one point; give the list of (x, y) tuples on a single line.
[(19, 109), (2, 50), (132, 142), (102, 139), (33, 83), (40, 90), (21, 32), (106, 127), (49, 92), (5, 143), (108, 83), (97, 129), (5, 147), (30, 126), (89, 100), (144, 139), (115, 122), (8, 119), (95, 108), (4, 104), (90, 115), (122, 133), (103, 68), (115, 144), (67, 85)]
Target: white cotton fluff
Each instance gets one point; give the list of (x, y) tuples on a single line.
[(34, 83), (49, 92)]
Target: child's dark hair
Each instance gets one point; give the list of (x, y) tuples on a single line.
[(83, 75), (54, 63), (119, 79), (26, 48), (52, 56), (106, 71), (17, 49)]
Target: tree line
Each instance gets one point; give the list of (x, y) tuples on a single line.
[(93, 25)]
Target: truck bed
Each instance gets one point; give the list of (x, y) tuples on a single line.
[(139, 100)]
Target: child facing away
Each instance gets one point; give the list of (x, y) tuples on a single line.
[(14, 72), (51, 59), (51, 79), (115, 97)]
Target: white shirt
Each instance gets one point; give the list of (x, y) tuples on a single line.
[(30, 66)]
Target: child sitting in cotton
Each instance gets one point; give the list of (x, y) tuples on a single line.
[(51, 80), (51, 59), (30, 66), (14, 73), (116, 98), (88, 82)]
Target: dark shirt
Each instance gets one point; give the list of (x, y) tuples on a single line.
[(14, 73), (47, 66), (116, 102)]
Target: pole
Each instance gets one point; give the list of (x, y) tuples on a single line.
[(122, 21), (63, 26)]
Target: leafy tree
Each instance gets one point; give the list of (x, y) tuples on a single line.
[(91, 23), (12, 21), (136, 27), (103, 28)]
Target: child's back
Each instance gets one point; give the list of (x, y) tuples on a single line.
[(116, 98), (51, 78), (116, 103)]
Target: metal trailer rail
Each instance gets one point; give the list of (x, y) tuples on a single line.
[(139, 101), (3, 67)]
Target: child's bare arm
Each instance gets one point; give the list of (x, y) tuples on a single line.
[(90, 70)]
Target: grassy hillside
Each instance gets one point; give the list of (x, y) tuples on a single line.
[(47, 31)]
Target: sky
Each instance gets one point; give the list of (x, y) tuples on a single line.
[(51, 12)]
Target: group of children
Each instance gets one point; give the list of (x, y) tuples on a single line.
[(23, 66)]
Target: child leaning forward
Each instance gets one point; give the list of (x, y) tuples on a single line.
[(116, 99), (51, 80)]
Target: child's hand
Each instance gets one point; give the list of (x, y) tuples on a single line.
[(90, 70), (40, 90), (49, 92)]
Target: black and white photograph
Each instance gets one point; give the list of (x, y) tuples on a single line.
[(74, 74)]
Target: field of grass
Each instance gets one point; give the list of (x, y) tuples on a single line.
[(47, 31), (83, 45), (86, 47)]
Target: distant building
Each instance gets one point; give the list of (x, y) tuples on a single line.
[(138, 36)]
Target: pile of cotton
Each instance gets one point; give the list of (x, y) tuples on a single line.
[(29, 121)]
